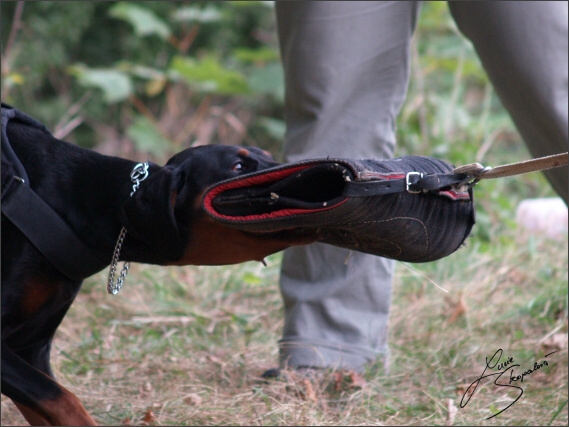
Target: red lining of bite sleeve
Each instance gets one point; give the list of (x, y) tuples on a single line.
[(259, 180)]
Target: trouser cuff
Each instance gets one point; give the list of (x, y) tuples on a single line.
[(298, 352)]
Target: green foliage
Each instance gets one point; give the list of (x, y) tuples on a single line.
[(148, 54), (204, 15), (146, 136), (268, 79), (115, 84), (206, 74), (144, 21), (260, 55)]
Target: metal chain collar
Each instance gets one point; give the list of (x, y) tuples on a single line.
[(139, 173)]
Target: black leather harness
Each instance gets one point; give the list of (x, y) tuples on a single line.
[(35, 218)]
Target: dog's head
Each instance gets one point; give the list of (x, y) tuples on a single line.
[(163, 217)]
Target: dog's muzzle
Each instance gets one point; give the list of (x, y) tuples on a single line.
[(410, 209)]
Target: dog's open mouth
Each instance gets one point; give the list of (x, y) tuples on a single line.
[(283, 192)]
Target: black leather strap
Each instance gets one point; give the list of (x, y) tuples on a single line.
[(47, 231), (9, 158), (373, 188), (416, 183)]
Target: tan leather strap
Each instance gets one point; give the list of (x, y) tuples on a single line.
[(478, 171)]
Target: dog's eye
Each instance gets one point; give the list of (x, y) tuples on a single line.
[(238, 167)]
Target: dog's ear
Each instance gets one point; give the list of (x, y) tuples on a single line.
[(148, 216)]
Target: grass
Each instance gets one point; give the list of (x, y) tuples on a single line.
[(186, 346)]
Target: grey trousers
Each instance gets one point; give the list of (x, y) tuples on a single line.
[(346, 74)]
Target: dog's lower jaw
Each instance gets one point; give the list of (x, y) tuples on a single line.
[(212, 243)]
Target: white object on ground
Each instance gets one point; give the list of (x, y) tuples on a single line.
[(547, 215)]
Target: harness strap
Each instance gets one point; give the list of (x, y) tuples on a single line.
[(9, 158), (47, 231)]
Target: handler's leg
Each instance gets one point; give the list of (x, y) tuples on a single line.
[(523, 47), (346, 72)]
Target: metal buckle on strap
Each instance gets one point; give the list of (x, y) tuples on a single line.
[(412, 178)]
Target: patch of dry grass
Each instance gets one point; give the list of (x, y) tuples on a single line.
[(186, 346)]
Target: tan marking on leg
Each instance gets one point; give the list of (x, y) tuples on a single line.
[(37, 293), (31, 416), (66, 410)]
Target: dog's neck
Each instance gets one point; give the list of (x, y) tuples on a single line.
[(105, 179)]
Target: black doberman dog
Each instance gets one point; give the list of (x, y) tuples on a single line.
[(90, 192)]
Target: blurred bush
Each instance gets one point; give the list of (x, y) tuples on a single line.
[(145, 79), (152, 77)]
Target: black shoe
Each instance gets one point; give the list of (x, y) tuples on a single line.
[(273, 373), (300, 372)]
